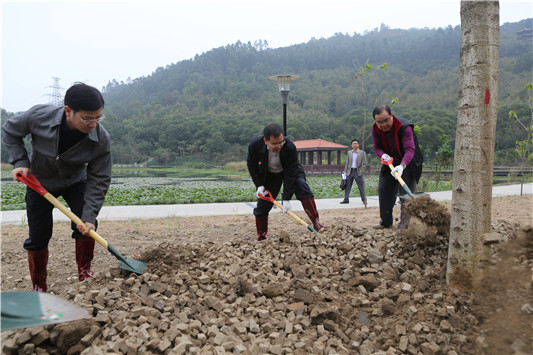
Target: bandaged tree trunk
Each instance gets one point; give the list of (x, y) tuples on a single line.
[(474, 145)]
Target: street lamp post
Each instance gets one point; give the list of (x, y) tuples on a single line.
[(284, 83)]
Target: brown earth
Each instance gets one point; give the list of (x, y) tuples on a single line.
[(375, 290)]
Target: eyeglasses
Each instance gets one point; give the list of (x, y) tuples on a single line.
[(383, 122), (279, 144), (90, 120)]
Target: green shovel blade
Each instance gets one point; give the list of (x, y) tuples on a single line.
[(128, 264), (29, 309)]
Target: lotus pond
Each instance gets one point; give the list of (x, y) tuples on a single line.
[(182, 186)]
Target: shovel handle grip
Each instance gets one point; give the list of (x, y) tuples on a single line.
[(280, 206), (32, 182)]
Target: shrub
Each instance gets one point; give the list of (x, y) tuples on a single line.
[(236, 166)]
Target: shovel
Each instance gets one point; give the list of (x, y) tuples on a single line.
[(400, 180), (290, 213), (128, 264), (29, 309)]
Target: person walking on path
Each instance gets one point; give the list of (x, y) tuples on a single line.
[(71, 157), (394, 140), (273, 161), (353, 169)]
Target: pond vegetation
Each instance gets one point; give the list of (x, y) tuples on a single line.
[(155, 186)]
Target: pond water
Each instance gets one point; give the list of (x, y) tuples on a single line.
[(161, 178), (173, 177)]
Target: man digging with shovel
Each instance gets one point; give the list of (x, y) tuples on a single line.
[(273, 161), (71, 157), (395, 142)]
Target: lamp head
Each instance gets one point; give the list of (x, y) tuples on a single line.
[(284, 81)]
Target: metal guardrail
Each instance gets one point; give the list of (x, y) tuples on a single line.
[(316, 170), (497, 171)]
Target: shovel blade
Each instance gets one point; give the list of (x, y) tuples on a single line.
[(28, 309), (128, 264), (132, 265)]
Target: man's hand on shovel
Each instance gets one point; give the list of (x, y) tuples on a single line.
[(85, 229), (398, 170)]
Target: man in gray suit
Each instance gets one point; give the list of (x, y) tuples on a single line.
[(355, 163)]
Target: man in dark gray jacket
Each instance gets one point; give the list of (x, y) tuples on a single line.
[(71, 157)]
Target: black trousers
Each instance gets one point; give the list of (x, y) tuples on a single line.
[(388, 190), (273, 184), (39, 212)]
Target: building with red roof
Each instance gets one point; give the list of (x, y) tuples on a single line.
[(312, 162)]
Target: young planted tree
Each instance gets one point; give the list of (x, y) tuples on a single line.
[(523, 147), (475, 137), (443, 159), (361, 74)]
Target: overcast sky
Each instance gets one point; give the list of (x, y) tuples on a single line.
[(99, 41)]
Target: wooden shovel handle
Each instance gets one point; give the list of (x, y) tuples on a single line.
[(32, 182), (280, 206), (398, 177)]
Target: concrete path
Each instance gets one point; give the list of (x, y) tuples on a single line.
[(236, 208)]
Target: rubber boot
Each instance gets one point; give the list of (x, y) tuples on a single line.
[(310, 208), (405, 218), (37, 261), (84, 256), (261, 223)]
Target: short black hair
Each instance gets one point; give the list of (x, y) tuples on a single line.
[(354, 140), (82, 97), (379, 109), (272, 130)]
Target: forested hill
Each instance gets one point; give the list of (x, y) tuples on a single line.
[(211, 106)]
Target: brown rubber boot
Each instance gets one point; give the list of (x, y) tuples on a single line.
[(310, 208), (37, 261), (261, 223), (84, 256)]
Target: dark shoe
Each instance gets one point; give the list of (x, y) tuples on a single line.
[(344, 201), (380, 226), (84, 257), (37, 261), (310, 208), (261, 223)]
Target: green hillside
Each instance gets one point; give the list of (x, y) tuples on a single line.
[(210, 107)]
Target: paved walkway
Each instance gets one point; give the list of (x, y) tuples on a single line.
[(236, 208)]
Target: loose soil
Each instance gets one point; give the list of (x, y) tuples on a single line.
[(350, 289)]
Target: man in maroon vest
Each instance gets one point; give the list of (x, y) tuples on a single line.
[(394, 138)]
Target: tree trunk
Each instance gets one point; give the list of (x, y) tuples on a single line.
[(474, 145)]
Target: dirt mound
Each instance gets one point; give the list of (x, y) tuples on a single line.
[(210, 288), (429, 212), (346, 290)]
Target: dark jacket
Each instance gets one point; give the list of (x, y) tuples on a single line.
[(257, 162), (399, 128), (89, 159)]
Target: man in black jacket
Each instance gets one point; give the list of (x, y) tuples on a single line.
[(272, 161)]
